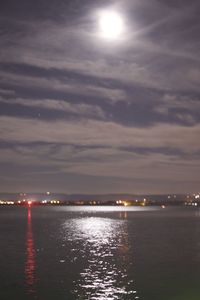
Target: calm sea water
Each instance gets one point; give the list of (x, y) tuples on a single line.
[(101, 253)]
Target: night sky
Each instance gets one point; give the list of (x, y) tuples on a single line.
[(81, 113)]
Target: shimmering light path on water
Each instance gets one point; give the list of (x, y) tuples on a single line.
[(102, 253), (103, 244)]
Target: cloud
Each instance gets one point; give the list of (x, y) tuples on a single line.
[(98, 133), (168, 64), (127, 110), (83, 110), (6, 92), (114, 164), (181, 107), (64, 86)]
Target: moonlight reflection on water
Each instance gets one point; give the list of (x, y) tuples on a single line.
[(105, 253), (104, 247)]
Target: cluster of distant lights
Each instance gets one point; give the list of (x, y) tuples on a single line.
[(19, 202), (52, 202), (56, 202), (7, 203), (192, 200), (191, 203), (129, 203), (28, 202), (196, 196)]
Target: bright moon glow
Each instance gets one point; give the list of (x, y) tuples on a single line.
[(111, 25)]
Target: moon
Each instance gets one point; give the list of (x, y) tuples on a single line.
[(111, 25)]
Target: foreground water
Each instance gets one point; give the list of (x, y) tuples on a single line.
[(99, 253)]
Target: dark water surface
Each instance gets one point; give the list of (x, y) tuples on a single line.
[(101, 253)]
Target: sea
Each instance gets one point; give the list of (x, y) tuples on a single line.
[(99, 253)]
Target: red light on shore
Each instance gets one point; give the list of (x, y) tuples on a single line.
[(29, 203)]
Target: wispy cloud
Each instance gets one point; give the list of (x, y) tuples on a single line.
[(77, 105), (82, 109), (98, 133)]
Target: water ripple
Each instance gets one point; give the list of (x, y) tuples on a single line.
[(105, 256)]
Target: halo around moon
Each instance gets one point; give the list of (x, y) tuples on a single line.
[(111, 25)]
